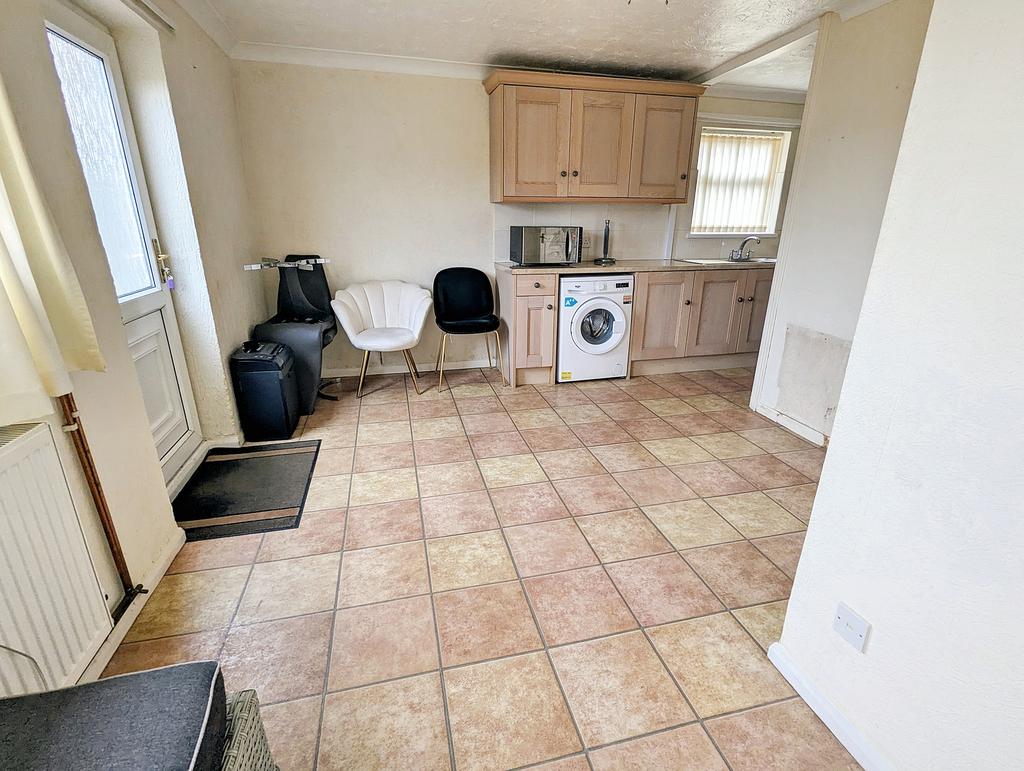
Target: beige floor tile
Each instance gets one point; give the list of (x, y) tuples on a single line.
[(575, 414), (544, 417), (523, 400), (783, 550), (695, 425), (688, 524), (577, 605), (755, 514), (436, 428), (383, 486), (330, 462), (709, 403), (645, 429), (332, 435), (479, 405), (488, 423), (190, 602), (527, 503), (484, 622), (641, 390), (289, 588), (565, 395), (511, 470), (618, 689), (603, 392), (281, 660), (741, 419), (673, 452), (150, 654), (622, 535), (739, 574), (448, 478), (727, 445), (508, 713), (775, 439), (468, 560), (686, 748), (764, 622), (328, 493), (385, 433), (719, 667), (544, 547), (472, 391), (216, 553), (498, 445), (807, 462), (458, 513), (594, 434), (433, 408), (624, 457), (383, 457), (786, 735), (383, 413), (651, 486), (712, 478), (572, 763), (556, 438), (430, 452), (668, 406), (591, 495), (661, 589), (391, 725), (568, 464), (767, 471), (627, 410), (292, 728), (319, 532), (796, 500), (383, 523), (383, 573), (382, 641), (739, 398)]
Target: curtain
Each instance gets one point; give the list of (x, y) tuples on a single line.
[(45, 327), (739, 182)]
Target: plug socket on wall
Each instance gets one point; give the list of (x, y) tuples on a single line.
[(851, 626)]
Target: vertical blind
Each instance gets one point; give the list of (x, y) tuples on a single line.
[(739, 181)]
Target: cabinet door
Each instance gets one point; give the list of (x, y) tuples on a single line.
[(600, 142), (535, 331), (757, 287), (536, 143), (661, 312), (662, 139), (715, 312)]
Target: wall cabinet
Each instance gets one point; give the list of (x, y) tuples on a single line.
[(557, 137)]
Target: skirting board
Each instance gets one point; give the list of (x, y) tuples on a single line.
[(397, 369), (848, 734), (106, 650), (692, 364), (804, 432)]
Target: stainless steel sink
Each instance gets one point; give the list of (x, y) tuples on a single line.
[(721, 261)]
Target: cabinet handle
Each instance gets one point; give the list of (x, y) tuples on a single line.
[(575, 173), (739, 300), (682, 176), (686, 302), (750, 299), (536, 285), (565, 173), (550, 306)]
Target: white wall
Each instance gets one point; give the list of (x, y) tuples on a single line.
[(863, 75), (917, 523)]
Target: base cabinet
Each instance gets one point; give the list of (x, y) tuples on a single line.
[(758, 286), (535, 332), (661, 315)]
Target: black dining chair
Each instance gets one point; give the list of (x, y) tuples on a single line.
[(464, 305)]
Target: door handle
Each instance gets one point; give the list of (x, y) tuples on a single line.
[(163, 264)]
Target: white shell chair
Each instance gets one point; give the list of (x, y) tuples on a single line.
[(383, 316)]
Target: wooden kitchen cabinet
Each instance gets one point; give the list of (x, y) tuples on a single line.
[(535, 331), (757, 287), (715, 311), (661, 315), (556, 137), (662, 137)]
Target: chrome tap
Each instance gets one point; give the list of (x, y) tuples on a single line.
[(737, 255)]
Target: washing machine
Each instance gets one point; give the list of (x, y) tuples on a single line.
[(594, 314)]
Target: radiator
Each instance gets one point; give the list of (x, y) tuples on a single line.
[(53, 616)]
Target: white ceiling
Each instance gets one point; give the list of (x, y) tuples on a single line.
[(788, 69), (646, 37)]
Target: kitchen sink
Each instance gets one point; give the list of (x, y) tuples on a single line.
[(720, 261)]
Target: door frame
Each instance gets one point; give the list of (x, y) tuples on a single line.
[(83, 30)]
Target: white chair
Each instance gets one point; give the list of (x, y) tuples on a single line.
[(383, 316)]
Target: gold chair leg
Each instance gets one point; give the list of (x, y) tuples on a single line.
[(487, 343), (412, 370), (440, 366), (501, 368), (362, 374), (381, 354), (437, 364)]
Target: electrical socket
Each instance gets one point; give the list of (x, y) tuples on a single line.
[(586, 242), (851, 626)]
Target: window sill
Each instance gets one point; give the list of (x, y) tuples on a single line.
[(725, 236)]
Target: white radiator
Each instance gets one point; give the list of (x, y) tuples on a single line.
[(52, 613)]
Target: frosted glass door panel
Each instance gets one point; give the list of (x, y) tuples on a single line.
[(101, 146)]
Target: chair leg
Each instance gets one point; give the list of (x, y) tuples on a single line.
[(381, 354), (440, 367), (411, 364), (437, 364), (362, 374), (501, 368), (487, 343)]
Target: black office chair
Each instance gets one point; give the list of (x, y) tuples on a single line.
[(305, 323), (464, 305)]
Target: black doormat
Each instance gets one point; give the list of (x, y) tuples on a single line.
[(243, 490)]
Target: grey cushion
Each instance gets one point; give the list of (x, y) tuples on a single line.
[(169, 718)]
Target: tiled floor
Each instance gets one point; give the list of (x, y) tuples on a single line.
[(577, 576)]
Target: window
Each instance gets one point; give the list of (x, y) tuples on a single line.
[(739, 181)]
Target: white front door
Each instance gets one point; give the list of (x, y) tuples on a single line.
[(90, 77)]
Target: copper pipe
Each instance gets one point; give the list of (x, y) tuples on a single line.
[(73, 427)]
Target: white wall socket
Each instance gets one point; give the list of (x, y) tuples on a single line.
[(851, 627)]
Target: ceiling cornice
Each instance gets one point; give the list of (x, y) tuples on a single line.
[(212, 23)]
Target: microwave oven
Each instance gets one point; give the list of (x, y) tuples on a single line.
[(545, 245)]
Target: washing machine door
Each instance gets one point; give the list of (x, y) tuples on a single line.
[(598, 326)]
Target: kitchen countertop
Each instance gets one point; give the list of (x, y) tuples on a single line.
[(627, 266)]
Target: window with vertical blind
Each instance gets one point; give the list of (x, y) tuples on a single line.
[(739, 181)]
